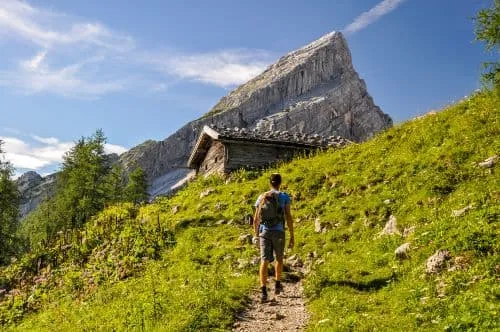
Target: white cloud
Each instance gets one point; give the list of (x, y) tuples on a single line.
[(43, 152), (113, 148), (86, 48), (35, 76), (49, 29), (362, 21), (81, 58), (225, 68)]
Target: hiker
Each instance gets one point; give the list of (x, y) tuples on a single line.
[(272, 209)]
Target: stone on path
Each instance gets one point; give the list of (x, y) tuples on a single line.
[(284, 312)]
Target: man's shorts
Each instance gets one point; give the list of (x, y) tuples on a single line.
[(271, 241)]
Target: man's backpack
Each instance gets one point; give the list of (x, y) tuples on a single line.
[(270, 211)]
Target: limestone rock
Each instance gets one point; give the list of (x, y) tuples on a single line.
[(320, 226), (220, 222), (295, 261), (176, 209), (437, 262), (391, 227), (245, 239), (33, 189), (243, 263), (206, 192), (408, 231), (403, 251), (488, 163), (461, 212)]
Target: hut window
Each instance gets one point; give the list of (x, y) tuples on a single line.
[(206, 167), (216, 159)]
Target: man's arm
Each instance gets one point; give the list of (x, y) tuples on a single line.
[(289, 223)]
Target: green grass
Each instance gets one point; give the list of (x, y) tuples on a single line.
[(154, 269)]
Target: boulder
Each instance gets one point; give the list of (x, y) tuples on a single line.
[(488, 163), (175, 209), (391, 227), (295, 261), (408, 231), (437, 262), (206, 192), (462, 211), (403, 251), (245, 239)]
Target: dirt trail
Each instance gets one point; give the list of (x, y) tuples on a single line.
[(284, 312)]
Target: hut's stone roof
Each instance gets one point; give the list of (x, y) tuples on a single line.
[(279, 137), (283, 138)]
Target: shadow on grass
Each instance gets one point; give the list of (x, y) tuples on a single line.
[(368, 286)]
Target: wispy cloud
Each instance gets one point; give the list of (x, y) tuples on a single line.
[(50, 29), (362, 21), (81, 58), (41, 152), (85, 73), (224, 68), (35, 75)]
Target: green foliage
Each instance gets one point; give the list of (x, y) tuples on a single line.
[(85, 185), (9, 205), (488, 31), (81, 182), (136, 190), (172, 265), (115, 185)]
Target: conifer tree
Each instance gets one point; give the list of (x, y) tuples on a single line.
[(488, 31), (9, 209), (137, 187), (81, 188), (115, 185)]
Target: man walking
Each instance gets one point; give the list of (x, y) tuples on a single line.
[(273, 209)]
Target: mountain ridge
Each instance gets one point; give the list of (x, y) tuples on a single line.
[(314, 89)]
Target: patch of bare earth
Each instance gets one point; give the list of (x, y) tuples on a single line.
[(283, 312)]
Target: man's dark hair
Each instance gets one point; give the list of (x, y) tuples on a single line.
[(275, 179)]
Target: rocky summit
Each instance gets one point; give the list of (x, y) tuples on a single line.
[(313, 90)]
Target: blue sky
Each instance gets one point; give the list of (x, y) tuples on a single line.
[(140, 70)]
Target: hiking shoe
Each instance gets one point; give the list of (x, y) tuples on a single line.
[(263, 294), (278, 288)]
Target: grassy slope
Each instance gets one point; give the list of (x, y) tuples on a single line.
[(426, 169)]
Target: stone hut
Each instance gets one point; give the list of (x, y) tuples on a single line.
[(222, 150)]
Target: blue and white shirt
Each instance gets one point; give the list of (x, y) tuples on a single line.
[(284, 200)]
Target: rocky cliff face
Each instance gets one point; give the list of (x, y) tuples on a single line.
[(313, 90), (34, 189)]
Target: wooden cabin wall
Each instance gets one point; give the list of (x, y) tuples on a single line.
[(214, 159), (253, 155)]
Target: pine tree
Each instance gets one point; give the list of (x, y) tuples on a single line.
[(115, 185), (9, 209), (488, 31), (137, 187), (81, 189)]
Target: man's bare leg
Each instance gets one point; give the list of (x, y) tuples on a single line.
[(278, 269), (263, 272)]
